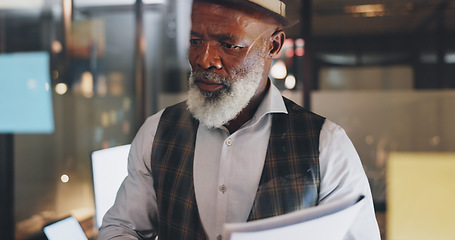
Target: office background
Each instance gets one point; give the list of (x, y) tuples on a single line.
[(382, 69)]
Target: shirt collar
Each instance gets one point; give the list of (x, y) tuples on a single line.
[(272, 103)]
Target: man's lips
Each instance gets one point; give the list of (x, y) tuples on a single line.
[(208, 86)]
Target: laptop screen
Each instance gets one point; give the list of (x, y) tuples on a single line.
[(109, 168), (67, 228)]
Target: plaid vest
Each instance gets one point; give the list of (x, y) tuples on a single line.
[(289, 181)]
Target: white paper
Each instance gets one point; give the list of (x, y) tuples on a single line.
[(328, 221)]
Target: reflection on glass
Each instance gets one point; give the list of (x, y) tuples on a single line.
[(116, 80), (56, 46), (367, 10), (87, 84), (101, 85), (61, 88), (290, 82), (92, 66), (366, 77), (381, 122), (65, 178), (55, 74), (278, 70)]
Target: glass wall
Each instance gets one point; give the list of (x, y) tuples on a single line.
[(95, 67), (384, 71)]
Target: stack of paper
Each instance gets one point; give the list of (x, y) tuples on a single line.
[(328, 221)]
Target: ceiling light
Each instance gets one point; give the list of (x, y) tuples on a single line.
[(370, 10)]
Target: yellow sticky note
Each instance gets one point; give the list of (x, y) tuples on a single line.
[(420, 196)]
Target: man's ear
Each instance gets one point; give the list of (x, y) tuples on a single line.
[(277, 41)]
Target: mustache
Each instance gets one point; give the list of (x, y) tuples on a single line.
[(199, 76)]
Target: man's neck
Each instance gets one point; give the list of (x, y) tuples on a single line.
[(247, 113)]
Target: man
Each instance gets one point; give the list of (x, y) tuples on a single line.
[(236, 150)]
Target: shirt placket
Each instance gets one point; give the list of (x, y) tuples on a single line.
[(223, 185)]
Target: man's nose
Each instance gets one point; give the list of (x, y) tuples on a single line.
[(209, 57)]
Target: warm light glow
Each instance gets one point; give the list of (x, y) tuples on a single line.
[(55, 74), (115, 83), (278, 70), (289, 42), (67, 8), (435, 141), (142, 44), (365, 8), (101, 86), (369, 10), (56, 47), (300, 51), (61, 88), (373, 14), (126, 127), (87, 84), (113, 116), (65, 178), (105, 119), (369, 139), (299, 42), (290, 82), (289, 52)]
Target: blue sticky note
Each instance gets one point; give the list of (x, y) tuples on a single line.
[(25, 93)]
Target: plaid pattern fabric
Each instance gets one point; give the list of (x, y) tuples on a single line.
[(172, 169), (290, 178), (289, 182)]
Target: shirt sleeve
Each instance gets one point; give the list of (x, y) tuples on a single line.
[(342, 175), (134, 213)]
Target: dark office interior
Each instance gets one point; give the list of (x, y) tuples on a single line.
[(384, 70)]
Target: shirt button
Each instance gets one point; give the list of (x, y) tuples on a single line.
[(219, 237), (229, 142), (223, 188)]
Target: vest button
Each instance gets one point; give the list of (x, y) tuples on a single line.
[(219, 237), (229, 142)]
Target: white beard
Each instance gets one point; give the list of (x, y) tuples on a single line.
[(216, 109)]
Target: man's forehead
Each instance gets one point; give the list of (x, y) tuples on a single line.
[(227, 27)]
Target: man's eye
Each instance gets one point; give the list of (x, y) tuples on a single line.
[(230, 46), (195, 41)]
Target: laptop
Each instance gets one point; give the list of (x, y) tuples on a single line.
[(109, 168), (67, 228)]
